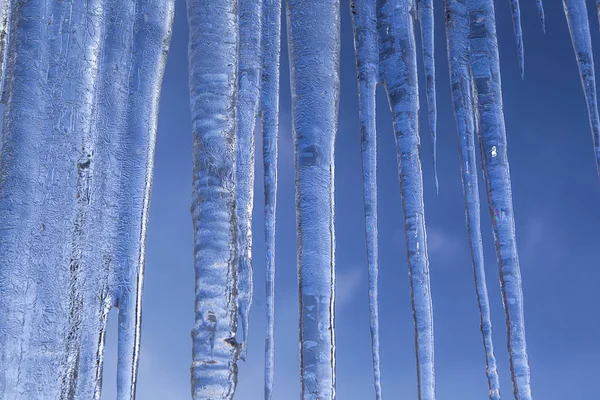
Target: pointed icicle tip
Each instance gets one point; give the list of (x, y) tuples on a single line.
[(540, 7)]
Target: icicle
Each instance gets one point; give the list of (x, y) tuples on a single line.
[(314, 28), (249, 68), (5, 17), (399, 73), (540, 7), (515, 9), (457, 32), (579, 28), (485, 68), (60, 201), (364, 20), (271, 48), (213, 87), (426, 22)]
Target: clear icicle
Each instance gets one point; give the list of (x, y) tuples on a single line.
[(426, 22), (579, 28), (457, 29), (485, 68), (213, 87), (314, 28), (61, 208), (271, 49), (249, 69), (364, 19), (399, 73), (542, 14), (515, 10)]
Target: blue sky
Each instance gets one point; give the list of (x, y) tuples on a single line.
[(556, 193)]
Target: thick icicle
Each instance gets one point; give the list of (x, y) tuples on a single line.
[(213, 88), (399, 72), (579, 28), (542, 15), (515, 10), (426, 22), (457, 29), (60, 205), (271, 49), (249, 69), (485, 69), (314, 47), (364, 19)]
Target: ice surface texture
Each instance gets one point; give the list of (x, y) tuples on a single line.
[(82, 89), (314, 52)]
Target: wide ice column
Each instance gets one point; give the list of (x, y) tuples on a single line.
[(314, 47), (213, 46), (485, 68), (398, 62)]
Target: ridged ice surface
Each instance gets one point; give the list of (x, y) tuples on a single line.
[(271, 49), (515, 9), (457, 32), (426, 22), (398, 62), (579, 28), (82, 91), (364, 20), (485, 68), (249, 76), (314, 48), (213, 89)]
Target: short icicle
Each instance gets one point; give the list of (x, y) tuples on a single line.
[(457, 29), (398, 62), (515, 9), (249, 76), (271, 49), (485, 68), (364, 19), (579, 28), (213, 90), (542, 14), (314, 29)]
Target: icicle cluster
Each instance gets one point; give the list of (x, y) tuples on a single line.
[(81, 84)]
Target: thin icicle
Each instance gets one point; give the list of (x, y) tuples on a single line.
[(314, 29), (364, 19), (457, 32), (399, 72), (515, 10), (485, 68), (542, 15), (249, 69), (426, 22), (271, 49), (213, 86), (5, 33), (579, 28)]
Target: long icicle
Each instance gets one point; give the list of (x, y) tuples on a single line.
[(249, 70), (213, 87), (426, 23), (515, 9), (271, 49), (579, 28), (364, 20), (485, 68), (399, 72), (457, 33), (314, 48)]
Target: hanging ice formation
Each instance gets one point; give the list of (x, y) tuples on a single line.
[(213, 90), (314, 52), (386, 53), (515, 10), (579, 28), (457, 33), (249, 77), (271, 47), (81, 92), (540, 8)]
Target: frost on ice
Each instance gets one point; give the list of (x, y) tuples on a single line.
[(81, 91), (314, 52)]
